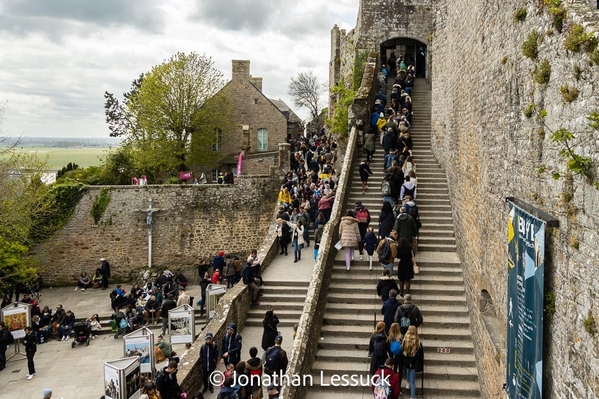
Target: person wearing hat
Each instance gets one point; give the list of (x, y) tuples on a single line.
[(208, 360), (276, 358), (30, 342), (230, 349), (105, 273), (46, 393), (218, 263)]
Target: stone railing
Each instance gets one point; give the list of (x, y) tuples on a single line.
[(305, 344)]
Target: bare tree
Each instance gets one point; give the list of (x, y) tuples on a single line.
[(305, 92)]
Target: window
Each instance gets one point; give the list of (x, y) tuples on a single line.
[(262, 139), (217, 144), (214, 175)]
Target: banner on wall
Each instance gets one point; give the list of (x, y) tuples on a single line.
[(526, 263)]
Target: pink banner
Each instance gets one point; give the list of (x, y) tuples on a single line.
[(239, 159), (185, 175)]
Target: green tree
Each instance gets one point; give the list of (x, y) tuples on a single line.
[(165, 109), (14, 268)]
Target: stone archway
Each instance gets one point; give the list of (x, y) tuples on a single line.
[(411, 49)]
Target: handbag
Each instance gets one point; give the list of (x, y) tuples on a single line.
[(338, 245), (416, 269)]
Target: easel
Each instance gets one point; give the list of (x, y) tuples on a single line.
[(11, 311), (17, 351)]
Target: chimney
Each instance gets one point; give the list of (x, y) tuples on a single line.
[(256, 82), (241, 69)]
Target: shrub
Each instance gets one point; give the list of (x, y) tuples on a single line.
[(504, 60), (529, 110), (578, 40), (559, 16), (530, 47), (569, 93), (542, 73), (589, 323), (100, 205), (520, 15)]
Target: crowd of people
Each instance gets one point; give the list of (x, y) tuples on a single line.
[(394, 346)]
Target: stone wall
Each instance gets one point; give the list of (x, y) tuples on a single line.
[(490, 150), (193, 221)]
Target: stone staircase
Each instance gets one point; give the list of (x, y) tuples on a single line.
[(285, 297), (353, 307)]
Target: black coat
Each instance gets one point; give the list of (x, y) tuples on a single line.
[(389, 141), (270, 332), (168, 386), (386, 222), (105, 269), (384, 286), (30, 342), (209, 357)]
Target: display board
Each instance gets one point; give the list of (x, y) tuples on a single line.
[(122, 378), (16, 317), (141, 343), (526, 253), (182, 324), (213, 294)]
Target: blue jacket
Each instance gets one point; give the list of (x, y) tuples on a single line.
[(388, 310)]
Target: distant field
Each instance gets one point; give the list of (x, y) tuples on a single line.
[(59, 157)]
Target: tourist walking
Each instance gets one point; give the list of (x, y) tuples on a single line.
[(370, 242), (412, 358), (389, 309), (377, 347), (283, 235), (365, 172), (4, 338), (270, 330), (405, 268), (230, 350), (363, 216), (386, 220), (297, 238), (385, 285), (369, 139), (349, 235), (386, 381), (387, 251), (405, 226), (394, 339), (408, 314)]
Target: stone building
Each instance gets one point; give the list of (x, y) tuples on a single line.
[(258, 123)]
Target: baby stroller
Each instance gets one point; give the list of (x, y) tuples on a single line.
[(81, 332)]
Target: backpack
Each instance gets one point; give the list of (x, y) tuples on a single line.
[(389, 158), (379, 349), (272, 358), (395, 348), (386, 188), (407, 191), (384, 251), (405, 320), (362, 215), (159, 375), (412, 211), (381, 389), (123, 324)]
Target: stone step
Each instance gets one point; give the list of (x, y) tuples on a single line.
[(257, 312), (426, 309), (432, 372), (288, 322), (367, 319), (374, 300), (359, 343), (432, 357), (424, 279), (434, 388), (443, 334), (435, 240), (280, 305), (436, 248), (429, 232), (425, 268), (272, 288)]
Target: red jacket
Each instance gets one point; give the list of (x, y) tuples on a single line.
[(390, 376)]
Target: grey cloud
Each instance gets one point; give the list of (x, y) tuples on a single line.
[(236, 15), (59, 17)]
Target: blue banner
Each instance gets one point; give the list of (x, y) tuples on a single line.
[(526, 251)]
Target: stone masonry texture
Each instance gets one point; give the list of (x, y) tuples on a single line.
[(481, 83), (194, 221)]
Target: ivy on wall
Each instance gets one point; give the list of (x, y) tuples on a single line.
[(100, 205), (54, 209)]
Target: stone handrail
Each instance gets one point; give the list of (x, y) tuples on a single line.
[(305, 344)]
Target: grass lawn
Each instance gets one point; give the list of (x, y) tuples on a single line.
[(59, 157)]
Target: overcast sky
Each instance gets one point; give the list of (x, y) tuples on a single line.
[(58, 57)]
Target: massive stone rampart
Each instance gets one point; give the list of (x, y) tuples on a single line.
[(481, 85)]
